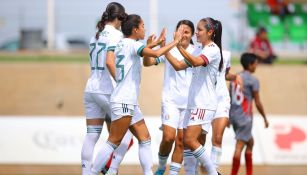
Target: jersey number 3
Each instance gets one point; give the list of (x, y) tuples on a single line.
[(121, 67)]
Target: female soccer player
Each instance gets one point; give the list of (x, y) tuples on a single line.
[(241, 114), (202, 100), (100, 86), (125, 111), (221, 116), (174, 100)]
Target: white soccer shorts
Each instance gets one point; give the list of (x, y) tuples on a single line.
[(96, 106), (120, 110)]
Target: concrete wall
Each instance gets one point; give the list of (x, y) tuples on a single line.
[(57, 88)]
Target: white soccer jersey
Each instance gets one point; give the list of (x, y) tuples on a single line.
[(202, 90), (128, 71), (176, 83), (100, 80), (222, 92)]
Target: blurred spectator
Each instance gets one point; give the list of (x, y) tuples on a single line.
[(279, 7), (261, 47)]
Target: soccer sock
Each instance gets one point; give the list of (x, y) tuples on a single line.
[(249, 163), (120, 152), (216, 154), (198, 165), (104, 154), (93, 133), (235, 166), (145, 156), (204, 160), (162, 161), (174, 168), (189, 162)]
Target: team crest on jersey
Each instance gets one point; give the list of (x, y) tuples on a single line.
[(104, 33), (166, 117), (120, 46), (211, 45)]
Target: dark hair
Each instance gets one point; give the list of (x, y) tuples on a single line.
[(247, 59), (113, 10), (132, 21), (261, 30), (216, 26), (188, 23)]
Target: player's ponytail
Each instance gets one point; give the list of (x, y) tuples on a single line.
[(217, 38), (216, 27), (113, 10)]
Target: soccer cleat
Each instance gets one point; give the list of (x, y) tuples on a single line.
[(111, 173), (104, 170), (160, 172)]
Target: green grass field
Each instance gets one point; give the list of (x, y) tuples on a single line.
[(79, 58)]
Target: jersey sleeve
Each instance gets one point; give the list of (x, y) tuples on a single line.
[(228, 63), (255, 85), (138, 48), (113, 42), (160, 59), (208, 54)]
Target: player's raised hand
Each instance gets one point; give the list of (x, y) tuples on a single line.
[(162, 36), (151, 39), (178, 34)]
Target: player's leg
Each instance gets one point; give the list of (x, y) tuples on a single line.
[(94, 123), (121, 119), (140, 131), (118, 155), (120, 152), (202, 140), (177, 156), (248, 157), (170, 120), (236, 157), (218, 127), (199, 122), (198, 150), (168, 138)]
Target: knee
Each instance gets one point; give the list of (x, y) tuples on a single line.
[(115, 141), (237, 154), (179, 144), (217, 140), (188, 143), (168, 139)]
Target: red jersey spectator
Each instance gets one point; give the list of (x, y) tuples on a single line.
[(261, 47), (279, 7)]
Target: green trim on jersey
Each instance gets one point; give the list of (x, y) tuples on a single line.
[(158, 61), (139, 52), (188, 63), (111, 48)]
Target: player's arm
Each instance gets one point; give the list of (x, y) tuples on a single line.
[(110, 63), (230, 76), (260, 107), (192, 60), (149, 61), (178, 65), (234, 77)]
